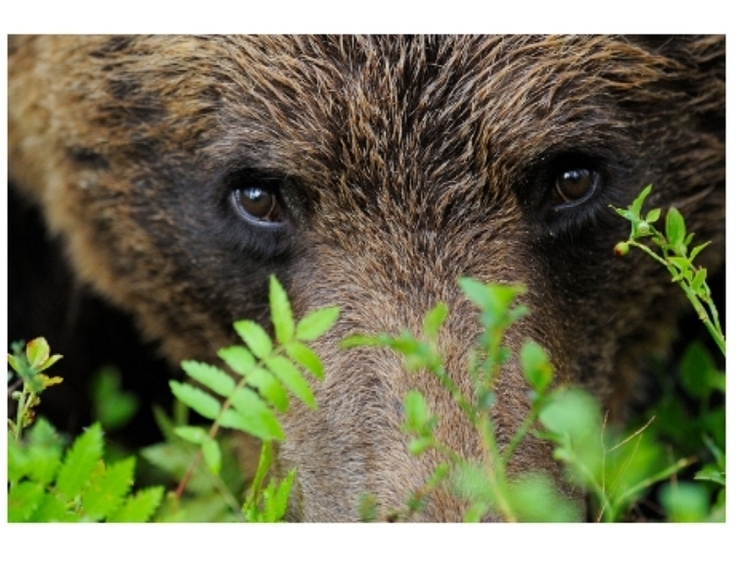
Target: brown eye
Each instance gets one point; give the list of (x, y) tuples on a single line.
[(259, 204), (573, 186)]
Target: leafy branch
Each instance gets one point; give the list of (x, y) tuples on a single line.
[(675, 255), (266, 373)]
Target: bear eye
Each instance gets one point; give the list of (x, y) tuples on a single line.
[(576, 185), (258, 204)]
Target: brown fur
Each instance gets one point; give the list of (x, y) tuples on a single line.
[(403, 164)]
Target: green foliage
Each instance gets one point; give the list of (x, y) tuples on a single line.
[(211, 492), (267, 503), (266, 374), (47, 485), (113, 408), (699, 435), (616, 468), (29, 366), (675, 255), (484, 484), (47, 482)]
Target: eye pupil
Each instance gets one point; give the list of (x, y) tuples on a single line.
[(259, 203), (575, 184)]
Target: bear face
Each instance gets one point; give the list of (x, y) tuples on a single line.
[(372, 173)]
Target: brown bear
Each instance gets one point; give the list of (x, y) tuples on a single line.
[(372, 173)]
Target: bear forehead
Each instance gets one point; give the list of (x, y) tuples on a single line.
[(386, 107)]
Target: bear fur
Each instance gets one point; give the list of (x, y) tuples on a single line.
[(372, 173)]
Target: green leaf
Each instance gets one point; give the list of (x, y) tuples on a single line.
[(211, 453), (365, 340), (317, 323), (44, 451), (239, 358), (23, 499), (682, 264), (201, 509), (306, 358), (292, 378), (192, 434), (197, 399), (699, 279), (625, 213), (416, 411), (80, 462), (575, 422), (248, 402), (711, 474), (139, 508), (675, 228), (37, 352), (254, 337), (471, 482), (259, 422), (276, 498), (535, 497), (434, 320), (420, 445), (494, 301), (653, 216), (105, 493), (280, 312), (15, 363), (717, 452), (637, 205), (269, 388), (697, 249), (112, 407), (18, 462), (175, 459), (49, 362), (695, 370), (536, 366), (477, 292), (475, 513), (52, 509), (685, 502), (210, 376)]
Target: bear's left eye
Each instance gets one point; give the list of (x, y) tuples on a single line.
[(573, 186), (258, 204)]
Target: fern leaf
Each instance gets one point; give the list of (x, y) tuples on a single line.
[(107, 491), (138, 508), (80, 462)]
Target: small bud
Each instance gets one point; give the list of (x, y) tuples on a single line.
[(621, 249)]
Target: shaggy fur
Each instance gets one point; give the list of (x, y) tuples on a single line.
[(399, 164)]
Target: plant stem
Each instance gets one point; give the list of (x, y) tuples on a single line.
[(20, 414), (519, 435), (496, 468), (711, 322)]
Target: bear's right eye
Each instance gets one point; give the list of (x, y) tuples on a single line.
[(258, 204), (576, 185), (258, 220)]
